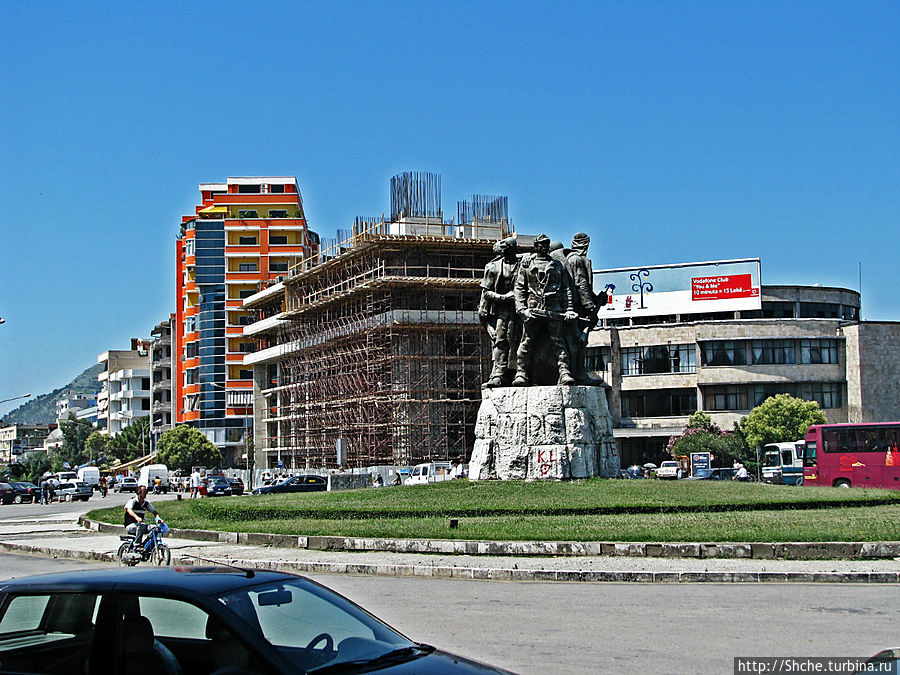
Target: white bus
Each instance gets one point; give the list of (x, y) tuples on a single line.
[(782, 463)]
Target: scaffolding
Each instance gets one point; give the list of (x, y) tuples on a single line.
[(384, 353)]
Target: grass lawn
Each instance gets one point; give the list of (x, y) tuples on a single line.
[(590, 510)]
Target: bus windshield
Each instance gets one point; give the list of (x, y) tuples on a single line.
[(772, 458), (809, 454)]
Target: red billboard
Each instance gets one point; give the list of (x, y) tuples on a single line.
[(723, 287)]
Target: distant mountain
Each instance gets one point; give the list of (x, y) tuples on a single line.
[(42, 409)]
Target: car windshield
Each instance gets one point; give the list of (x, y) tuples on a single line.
[(668, 464), (773, 458), (314, 628), (703, 473)]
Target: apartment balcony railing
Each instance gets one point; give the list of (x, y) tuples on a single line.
[(161, 385)]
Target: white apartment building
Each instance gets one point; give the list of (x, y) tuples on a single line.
[(125, 387)]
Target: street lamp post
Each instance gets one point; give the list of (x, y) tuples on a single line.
[(14, 397)]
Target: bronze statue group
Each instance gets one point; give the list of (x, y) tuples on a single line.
[(538, 309)]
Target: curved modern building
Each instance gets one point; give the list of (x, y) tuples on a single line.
[(807, 341)]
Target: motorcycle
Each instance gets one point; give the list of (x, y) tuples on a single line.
[(152, 548)]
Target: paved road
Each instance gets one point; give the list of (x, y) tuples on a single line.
[(533, 627), (15, 511)]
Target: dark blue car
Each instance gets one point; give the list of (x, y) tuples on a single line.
[(201, 621), (306, 483)]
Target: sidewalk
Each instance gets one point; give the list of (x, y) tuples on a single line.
[(63, 537)]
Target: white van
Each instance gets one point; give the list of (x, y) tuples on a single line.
[(150, 473), (89, 475), (429, 472)]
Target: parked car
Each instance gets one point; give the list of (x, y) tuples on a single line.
[(237, 485), (217, 486), (304, 483), (667, 470), (125, 484), (7, 494), (26, 492), (74, 491), (713, 474), (200, 620)]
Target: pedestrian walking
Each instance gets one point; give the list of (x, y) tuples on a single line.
[(45, 491), (195, 484)]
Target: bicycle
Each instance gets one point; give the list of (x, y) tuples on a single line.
[(152, 548)]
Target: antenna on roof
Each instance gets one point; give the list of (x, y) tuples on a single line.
[(246, 570)]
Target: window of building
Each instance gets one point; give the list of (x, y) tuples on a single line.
[(247, 347), (192, 401), (278, 266), (249, 189), (245, 374), (725, 353), (192, 350), (145, 404), (725, 398), (659, 403), (769, 352), (659, 359), (278, 239), (760, 392), (145, 383), (596, 358), (190, 324), (820, 310), (247, 241), (276, 189), (849, 313), (190, 376), (247, 267), (277, 213), (189, 246), (771, 310), (826, 394), (819, 351), (248, 213), (246, 293)]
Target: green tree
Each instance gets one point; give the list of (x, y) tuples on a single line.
[(35, 465), (780, 418), (132, 442), (184, 447), (75, 433), (95, 445), (702, 435)]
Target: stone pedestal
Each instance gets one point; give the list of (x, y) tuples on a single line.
[(531, 433)]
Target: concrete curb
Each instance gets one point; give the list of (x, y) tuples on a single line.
[(500, 574), (834, 550)]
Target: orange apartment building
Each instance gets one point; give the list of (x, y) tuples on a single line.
[(244, 232)]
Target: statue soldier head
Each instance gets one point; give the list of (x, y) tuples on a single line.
[(580, 243), (542, 245)]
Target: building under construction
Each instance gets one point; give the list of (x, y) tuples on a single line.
[(371, 351)]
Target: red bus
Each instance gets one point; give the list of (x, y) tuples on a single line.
[(853, 455)]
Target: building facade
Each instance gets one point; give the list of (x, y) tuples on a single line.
[(160, 380), (19, 440), (244, 232), (73, 404), (125, 387), (805, 341)]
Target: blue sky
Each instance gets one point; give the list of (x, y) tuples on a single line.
[(669, 131)]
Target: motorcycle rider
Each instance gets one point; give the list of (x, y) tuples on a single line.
[(135, 511)]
